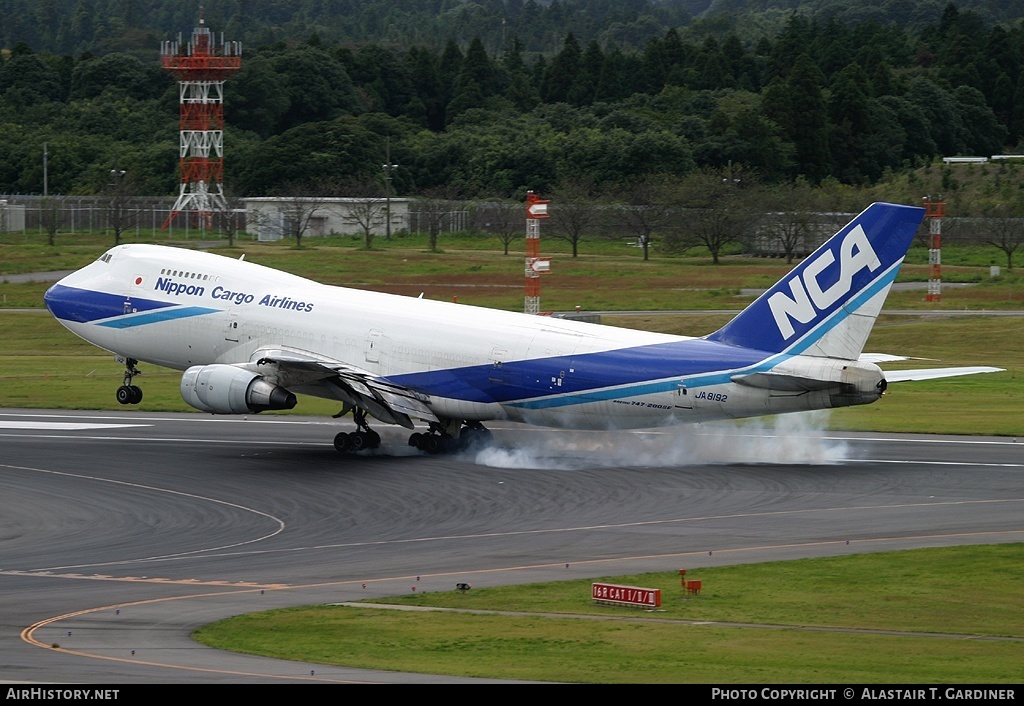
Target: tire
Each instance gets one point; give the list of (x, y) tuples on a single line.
[(358, 440), (431, 443), (342, 443)]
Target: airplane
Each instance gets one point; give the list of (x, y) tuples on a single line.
[(250, 338)]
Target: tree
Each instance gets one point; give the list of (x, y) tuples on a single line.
[(644, 206), (574, 211), (505, 219), (436, 209), (717, 210), (300, 202), (788, 225), (798, 106), (121, 203), (1003, 229), (368, 212), (230, 217), (50, 209)]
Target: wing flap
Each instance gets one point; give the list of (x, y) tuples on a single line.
[(388, 402)]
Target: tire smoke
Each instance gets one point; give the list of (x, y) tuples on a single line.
[(799, 438)]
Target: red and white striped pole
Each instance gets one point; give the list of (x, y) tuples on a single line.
[(536, 208), (934, 211)]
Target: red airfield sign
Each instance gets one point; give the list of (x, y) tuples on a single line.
[(536, 207)]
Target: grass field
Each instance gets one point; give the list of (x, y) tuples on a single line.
[(931, 616)]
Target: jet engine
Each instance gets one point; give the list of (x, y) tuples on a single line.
[(225, 389)]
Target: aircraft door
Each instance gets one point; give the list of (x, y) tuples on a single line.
[(682, 398), (374, 348), (231, 332)]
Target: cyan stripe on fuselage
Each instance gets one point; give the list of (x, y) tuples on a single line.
[(155, 317)]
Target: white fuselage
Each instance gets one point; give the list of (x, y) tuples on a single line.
[(179, 308)]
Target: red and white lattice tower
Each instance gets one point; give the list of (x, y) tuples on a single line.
[(934, 211), (201, 69), (536, 208)]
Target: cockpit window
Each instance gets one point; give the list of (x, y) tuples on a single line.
[(106, 257)]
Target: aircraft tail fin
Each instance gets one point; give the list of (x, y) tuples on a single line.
[(827, 305)]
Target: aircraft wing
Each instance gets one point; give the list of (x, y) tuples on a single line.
[(934, 373), (354, 386)]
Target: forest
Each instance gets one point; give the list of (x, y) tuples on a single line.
[(606, 97)]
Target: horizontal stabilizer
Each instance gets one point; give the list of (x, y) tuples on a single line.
[(886, 358), (936, 373)]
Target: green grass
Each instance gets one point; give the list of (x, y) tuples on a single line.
[(952, 591)]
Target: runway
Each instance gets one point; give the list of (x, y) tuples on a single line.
[(122, 532)]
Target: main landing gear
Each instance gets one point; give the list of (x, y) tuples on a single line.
[(362, 438), (129, 393), (437, 440)]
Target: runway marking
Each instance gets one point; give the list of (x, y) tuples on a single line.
[(36, 573), (172, 439), (28, 635), (305, 421), (63, 426), (178, 555), (217, 553), (945, 463)]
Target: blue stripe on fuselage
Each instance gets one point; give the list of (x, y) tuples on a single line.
[(568, 380), (113, 310)]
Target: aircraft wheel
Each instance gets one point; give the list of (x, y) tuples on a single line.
[(342, 442), (414, 439), (357, 440), (431, 443), (474, 436), (372, 439), (125, 395), (136, 394)]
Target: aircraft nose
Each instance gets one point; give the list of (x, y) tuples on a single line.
[(60, 298)]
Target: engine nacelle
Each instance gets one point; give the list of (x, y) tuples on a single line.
[(225, 389)]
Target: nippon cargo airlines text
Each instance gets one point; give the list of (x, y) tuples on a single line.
[(63, 694), (931, 693)]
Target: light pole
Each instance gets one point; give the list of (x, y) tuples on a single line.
[(388, 169)]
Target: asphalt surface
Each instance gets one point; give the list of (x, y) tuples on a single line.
[(122, 532)]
